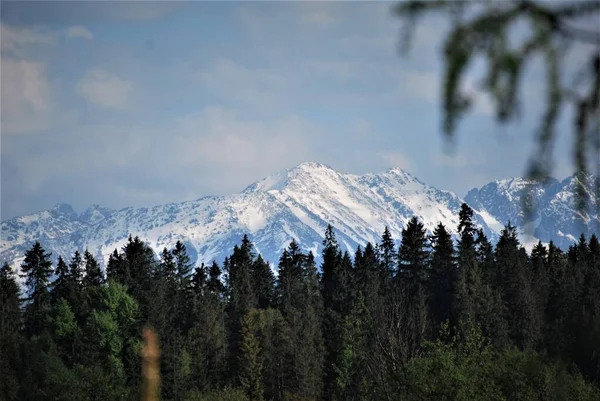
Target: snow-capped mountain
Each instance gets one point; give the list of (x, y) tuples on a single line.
[(554, 214), (295, 203)]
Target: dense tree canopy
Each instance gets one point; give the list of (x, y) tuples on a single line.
[(442, 316)]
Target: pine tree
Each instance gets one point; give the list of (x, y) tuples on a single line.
[(60, 286), (411, 282), (517, 292), (263, 282), (215, 285), (36, 269), (117, 269), (10, 323), (388, 252), (470, 285), (443, 277), (413, 254), (76, 269), (10, 314), (183, 265), (93, 274), (251, 359)]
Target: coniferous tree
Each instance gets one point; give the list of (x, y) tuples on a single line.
[(470, 285), (263, 282), (76, 269), (388, 252), (215, 285), (93, 273), (10, 323), (517, 292), (60, 286), (411, 282), (36, 269), (443, 277), (251, 357), (10, 314), (116, 269)]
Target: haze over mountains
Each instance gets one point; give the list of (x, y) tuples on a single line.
[(298, 203)]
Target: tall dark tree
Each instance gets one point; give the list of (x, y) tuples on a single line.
[(60, 286), (93, 273), (117, 269), (215, 285), (10, 323), (263, 282), (470, 294), (388, 252), (183, 265), (518, 295), (411, 282), (76, 269), (413, 254), (36, 269), (443, 277), (10, 313)]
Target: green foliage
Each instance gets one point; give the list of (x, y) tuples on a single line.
[(449, 322)]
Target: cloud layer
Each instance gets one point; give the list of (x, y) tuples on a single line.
[(146, 103)]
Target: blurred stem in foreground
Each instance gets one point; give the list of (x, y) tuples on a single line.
[(150, 366), (481, 28)]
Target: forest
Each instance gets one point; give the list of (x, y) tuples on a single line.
[(439, 317)]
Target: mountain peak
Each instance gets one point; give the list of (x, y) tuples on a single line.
[(64, 209), (280, 180), (309, 165)]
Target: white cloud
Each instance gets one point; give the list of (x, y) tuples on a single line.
[(19, 41), (25, 96), (220, 138), (105, 90), (259, 87), (78, 31)]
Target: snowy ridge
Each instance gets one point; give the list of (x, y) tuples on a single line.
[(555, 216), (295, 203)]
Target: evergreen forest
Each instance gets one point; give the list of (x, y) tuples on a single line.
[(447, 316)]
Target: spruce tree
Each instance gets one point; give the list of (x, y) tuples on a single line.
[(388, 252), (517, 290), (60, 286), (470, 285), (413, 254), (10, 323), (263, 282), (443, 277), (36, 269), (76, 269), (93, 273), (10, 313), (251, 358), (411, 282)]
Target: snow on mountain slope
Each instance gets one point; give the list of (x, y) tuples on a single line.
[(295, 203), (555, 216)]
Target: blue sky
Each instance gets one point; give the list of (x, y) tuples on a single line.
[(142, 103)]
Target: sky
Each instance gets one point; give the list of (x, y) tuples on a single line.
[(144, 103)]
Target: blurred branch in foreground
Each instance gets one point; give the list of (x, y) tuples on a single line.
[(150, 366), (482, 27)]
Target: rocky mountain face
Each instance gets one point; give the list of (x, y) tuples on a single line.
[(554, 214), (298, 204)]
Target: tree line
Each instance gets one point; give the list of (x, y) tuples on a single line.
[(430, 319)]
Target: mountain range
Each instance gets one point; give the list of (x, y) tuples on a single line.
[(298, 203)]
